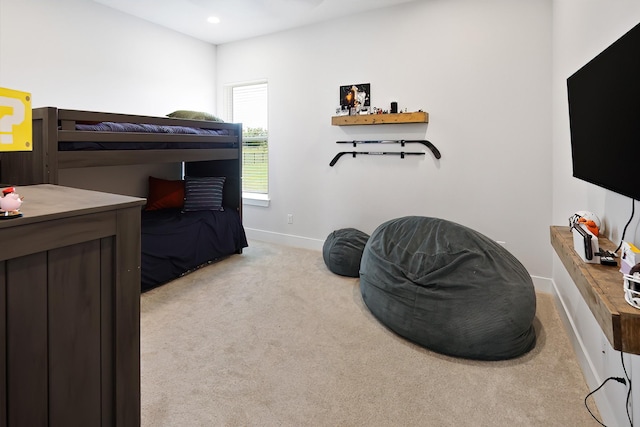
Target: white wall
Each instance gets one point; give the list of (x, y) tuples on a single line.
[(481, 70), (79, 54), (582, 29)]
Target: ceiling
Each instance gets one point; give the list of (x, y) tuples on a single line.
[(241, 19)]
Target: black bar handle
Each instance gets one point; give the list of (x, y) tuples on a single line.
[(337, 157), (402, 142), (392, 153), (429, 145)]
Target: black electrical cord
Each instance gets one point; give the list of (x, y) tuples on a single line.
[(626, 380), (633, 208), (629, 389), (619, 379)]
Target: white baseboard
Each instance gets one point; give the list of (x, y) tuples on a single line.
[(284, 239), (548, 286), (584, 360), (542, 284), (592, 378)]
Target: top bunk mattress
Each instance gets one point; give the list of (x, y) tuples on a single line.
[(148, 128), (124, 143)]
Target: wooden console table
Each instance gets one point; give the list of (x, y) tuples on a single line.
[(70, 309), (602, 289)]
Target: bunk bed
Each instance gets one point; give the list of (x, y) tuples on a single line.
[(175, 240)]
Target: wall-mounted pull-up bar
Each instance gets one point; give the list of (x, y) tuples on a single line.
[(402, 142), (377, 153)]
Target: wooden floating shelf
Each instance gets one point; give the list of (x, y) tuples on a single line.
[(602, 289), (380, 119)]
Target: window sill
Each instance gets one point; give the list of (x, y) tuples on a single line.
[(255, 199)]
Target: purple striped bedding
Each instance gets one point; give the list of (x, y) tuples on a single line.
[(147, 128)]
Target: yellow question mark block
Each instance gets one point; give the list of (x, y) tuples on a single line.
[(15, 120)]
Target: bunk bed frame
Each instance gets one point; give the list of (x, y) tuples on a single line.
[(51, 126), (220, 156), (124, 139)]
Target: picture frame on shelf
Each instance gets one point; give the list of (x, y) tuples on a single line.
[(356, 96)]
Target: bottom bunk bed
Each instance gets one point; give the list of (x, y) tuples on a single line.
[(175, 243), (185, 226)]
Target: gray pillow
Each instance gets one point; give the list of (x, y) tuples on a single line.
[(203, 193), (194, 115)]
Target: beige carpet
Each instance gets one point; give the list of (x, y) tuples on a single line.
[(272, 338)]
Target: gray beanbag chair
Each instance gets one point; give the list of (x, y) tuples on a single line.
[(448, 288), (342, 251)]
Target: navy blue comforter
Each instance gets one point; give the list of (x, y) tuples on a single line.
[(174, 243)]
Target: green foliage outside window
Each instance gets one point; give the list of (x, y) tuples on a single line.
[(255, 161)]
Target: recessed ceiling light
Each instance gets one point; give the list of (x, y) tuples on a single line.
[(213, 19)]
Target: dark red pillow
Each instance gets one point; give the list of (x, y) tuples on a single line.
[(165, 194)]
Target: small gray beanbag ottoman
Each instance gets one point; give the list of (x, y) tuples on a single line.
[(448, 288), (342, 251)]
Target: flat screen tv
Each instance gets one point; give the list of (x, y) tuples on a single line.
[(604, 116)]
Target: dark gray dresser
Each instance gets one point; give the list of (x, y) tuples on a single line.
[(70, 309)]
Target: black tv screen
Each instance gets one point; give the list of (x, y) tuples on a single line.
[(604, 115)]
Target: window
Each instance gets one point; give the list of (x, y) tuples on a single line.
[(247, 104)]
